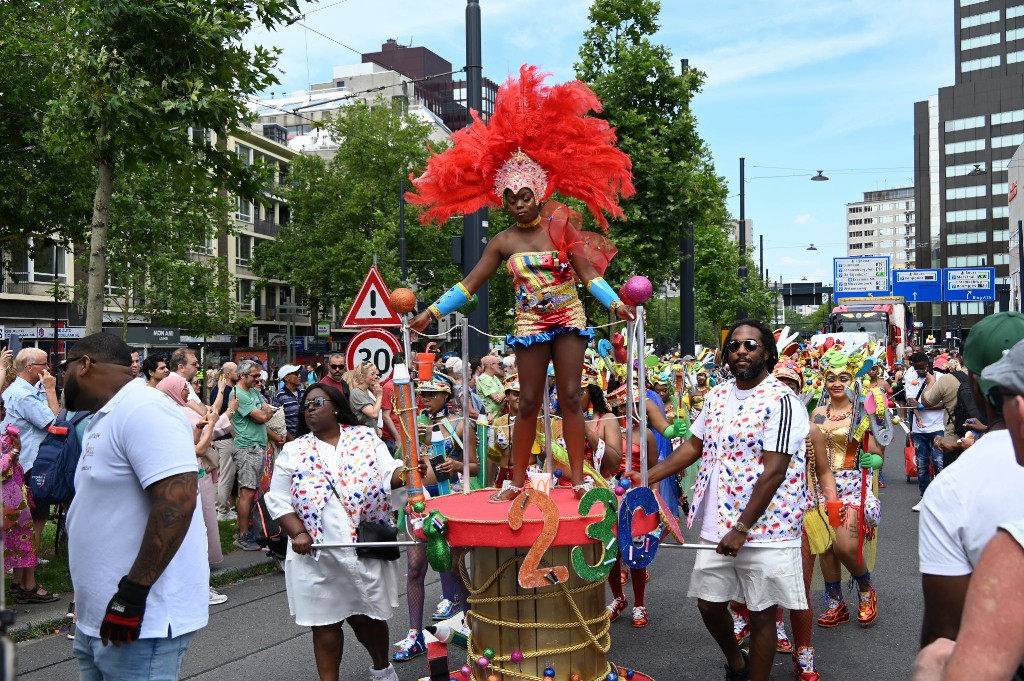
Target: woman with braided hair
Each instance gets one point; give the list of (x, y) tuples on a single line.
[(538, 141)]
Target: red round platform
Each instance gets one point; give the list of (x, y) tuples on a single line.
[(474, 521)]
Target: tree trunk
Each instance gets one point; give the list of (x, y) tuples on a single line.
[(96, 295)]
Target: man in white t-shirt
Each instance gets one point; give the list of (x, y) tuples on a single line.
[(963, 507), (751, 489), (926, 424), (136, 538)]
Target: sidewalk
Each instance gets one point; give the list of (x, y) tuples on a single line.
[(30, 616)]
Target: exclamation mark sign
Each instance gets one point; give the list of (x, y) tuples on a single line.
[(373, 303)]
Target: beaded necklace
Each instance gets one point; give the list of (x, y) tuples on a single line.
[(841, 417)]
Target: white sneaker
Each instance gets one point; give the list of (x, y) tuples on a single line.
[(229, 515), (388, 674), (916, 508), (216, 597)]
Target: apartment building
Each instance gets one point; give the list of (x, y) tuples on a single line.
[(883, 223)]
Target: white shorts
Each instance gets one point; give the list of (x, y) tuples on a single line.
[(759, 577)]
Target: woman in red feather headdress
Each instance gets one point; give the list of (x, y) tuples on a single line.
[(539, 140)]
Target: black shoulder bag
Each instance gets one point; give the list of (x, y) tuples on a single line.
[(369, 531)]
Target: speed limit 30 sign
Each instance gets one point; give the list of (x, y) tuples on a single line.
[(376, 346)]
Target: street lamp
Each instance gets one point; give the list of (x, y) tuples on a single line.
[(742, 270), (811, 248)]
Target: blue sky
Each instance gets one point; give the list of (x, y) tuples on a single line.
[(793, 86)]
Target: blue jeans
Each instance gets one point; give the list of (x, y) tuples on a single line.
[(927, 455), (148, 659)]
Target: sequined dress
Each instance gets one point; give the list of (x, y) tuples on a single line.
[(547, 303), (848, 475)]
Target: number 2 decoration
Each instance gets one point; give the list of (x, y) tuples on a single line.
[(531, 576), (637, 555), (603, 531)]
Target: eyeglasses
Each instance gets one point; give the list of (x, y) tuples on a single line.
[(63, 366), (317, 402), (750, 345), (336, 367)]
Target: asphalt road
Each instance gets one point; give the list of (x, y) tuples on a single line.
[(252, 636)]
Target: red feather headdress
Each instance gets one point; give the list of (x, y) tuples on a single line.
[(571, 153)]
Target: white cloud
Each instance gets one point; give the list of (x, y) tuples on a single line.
[(803, 219)]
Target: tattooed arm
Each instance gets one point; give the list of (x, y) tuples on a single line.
[(173, 502)]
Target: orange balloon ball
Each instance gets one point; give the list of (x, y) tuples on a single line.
[(493, 677), (403, 300)]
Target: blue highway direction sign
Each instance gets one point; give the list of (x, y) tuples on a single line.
[(968, 284), (860, 277), (918, 286)]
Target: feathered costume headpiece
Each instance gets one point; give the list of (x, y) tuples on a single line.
[(538, 137)]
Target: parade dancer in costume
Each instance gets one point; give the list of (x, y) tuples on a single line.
[(852, 456), (441, 444), (538, 141), (639, 576)]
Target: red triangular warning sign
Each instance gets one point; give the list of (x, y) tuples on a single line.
[(372, 306)]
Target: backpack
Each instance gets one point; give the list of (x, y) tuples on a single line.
[(53, 473), (965, 407)]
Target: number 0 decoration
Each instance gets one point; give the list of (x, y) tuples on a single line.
[(531, 576), (637, 555)]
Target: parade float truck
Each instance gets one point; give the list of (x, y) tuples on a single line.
[(883, 317)]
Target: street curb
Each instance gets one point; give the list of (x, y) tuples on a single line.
[(52, 615)]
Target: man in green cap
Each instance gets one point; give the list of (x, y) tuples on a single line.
[(964, 506)]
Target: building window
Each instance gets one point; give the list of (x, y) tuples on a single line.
[(968, 3), (963, 169), (1001, 259), (1001, 212), (1015, 34), (1007, 141), (243, 250), (206, 248), (1015, 11), (966, 192), (868, 221), (29, 267), (965, 215), (966, 146), (243, 294), (981, 41), (244, 211), (965, 123), (979, 19), (1001, 235), (1014, 57), (985, 62), (1001, 188), (1000, 166)]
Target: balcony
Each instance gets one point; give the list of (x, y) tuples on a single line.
[(266, 227)]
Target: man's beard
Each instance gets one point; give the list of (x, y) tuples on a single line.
[(754, 369)]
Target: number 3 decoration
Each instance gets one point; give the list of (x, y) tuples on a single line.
[(637, 555), (531, 576), (601, 530)]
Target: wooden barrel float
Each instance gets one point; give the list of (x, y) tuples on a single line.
[(563, 624)]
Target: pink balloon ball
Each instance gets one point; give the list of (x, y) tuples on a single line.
[(517, 656), (639, 289), (619, 490), (483, 663), (465, 670), (625, 297)]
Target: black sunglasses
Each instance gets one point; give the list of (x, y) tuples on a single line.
[(750, 345), (336, 367), (317, 402)]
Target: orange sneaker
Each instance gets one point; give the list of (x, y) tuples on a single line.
[(867, 607), (835, 614), (640, 616), (803, 664), (616, 607)]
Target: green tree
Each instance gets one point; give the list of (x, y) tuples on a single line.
[(135, 75), (345, 211), (164, 219), (648, 104), (45, 194)]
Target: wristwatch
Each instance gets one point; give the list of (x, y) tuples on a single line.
[(740, 527)]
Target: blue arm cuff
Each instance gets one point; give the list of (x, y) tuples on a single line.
[(600, 289), (453, 299)]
